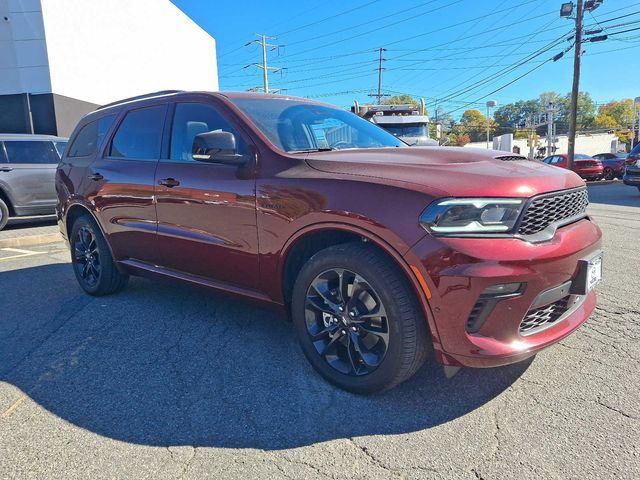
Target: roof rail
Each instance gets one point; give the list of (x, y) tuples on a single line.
[(139, 97)]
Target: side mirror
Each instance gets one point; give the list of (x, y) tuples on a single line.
[(217, 147)]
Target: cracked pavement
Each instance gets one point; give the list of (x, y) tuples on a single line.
[(165, 382)]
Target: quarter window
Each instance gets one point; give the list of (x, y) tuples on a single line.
[(139, 136), (90, 137), (191, 119), (31, 152)]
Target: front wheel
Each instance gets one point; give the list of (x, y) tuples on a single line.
[(92, 262), (357, 319)]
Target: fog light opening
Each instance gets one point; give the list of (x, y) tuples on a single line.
[(501, 289)]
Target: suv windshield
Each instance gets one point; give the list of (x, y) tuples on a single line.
[(294, 126)]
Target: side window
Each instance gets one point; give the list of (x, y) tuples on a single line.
[(90, 137), (139, 136), (191, 119), (31, 152)]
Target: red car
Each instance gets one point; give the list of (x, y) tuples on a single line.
[(587, 167), (376, 251)]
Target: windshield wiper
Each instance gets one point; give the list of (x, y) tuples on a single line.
[(310, 150)]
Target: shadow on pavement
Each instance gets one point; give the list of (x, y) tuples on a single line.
[(17, 223), (615, 193), (168, 365)]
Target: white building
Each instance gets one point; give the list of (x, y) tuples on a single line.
[(586, 143), (59, 59)]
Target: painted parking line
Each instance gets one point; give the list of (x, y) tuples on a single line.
[(18, 253)]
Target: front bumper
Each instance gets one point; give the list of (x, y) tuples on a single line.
[(460, 269)]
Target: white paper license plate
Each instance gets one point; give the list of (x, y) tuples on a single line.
[(594, 271)]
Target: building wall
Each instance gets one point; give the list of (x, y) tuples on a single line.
[(101, 51), (589, 144), (24, 63)]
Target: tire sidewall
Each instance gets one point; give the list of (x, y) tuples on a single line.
[(387, 371), (4, 214)]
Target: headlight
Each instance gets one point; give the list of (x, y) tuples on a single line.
[(463, 216)]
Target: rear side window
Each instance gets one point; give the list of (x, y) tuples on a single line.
[(31, 152), (90, 137), (139, 136)]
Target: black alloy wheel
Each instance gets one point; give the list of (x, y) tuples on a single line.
[(93, 264), (87, 256), (347, 322)]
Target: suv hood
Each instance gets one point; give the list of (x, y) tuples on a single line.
[(464, 172)]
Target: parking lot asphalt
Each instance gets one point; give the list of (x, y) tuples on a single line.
[(164, 381)]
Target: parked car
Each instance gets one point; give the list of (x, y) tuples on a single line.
[(634, 155), (27, 174), (376, 250), (613, 164), (587, 167), (632, 174)]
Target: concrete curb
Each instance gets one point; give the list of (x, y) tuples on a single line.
[(603, 182), (30, 240)]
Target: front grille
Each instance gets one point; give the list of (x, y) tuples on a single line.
[(549, 209), (542, 317)]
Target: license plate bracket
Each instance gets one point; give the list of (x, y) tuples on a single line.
[(589, 275)]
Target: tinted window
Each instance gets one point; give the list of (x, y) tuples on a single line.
[(581, 156), (635, 151), (31, 152), (60, 147), (90, 137), (140, 134), (298, 126), (191, 119)]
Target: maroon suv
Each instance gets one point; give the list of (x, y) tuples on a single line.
[(377, 251)]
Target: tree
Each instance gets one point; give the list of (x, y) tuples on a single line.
[(615, 114), (461, 140), (400, 100), (474, 124)]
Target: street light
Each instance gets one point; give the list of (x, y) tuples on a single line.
[(490, 104), (566, 9)]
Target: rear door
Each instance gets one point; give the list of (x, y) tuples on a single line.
[(29, 175), (121, 182)]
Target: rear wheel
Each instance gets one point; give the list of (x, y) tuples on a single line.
[(4, 214), (357, 319), (92, 262), (608, 173)]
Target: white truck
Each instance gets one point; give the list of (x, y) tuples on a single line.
[(407, 122)]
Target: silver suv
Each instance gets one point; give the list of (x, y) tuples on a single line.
[(27, 174)]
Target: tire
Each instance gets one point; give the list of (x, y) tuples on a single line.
[(4, 214), (608, 174), (91, 259), (358, 350)]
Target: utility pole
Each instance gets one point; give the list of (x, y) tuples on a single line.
[(380, 75), (573, 108), (265, 68), (550, 129), (490, 104), (379, 95)]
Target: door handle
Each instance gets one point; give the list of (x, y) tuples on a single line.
[(169, 182), (5, 169), (95, 177)]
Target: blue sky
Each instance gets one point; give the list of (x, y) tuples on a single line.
[(454, 53)]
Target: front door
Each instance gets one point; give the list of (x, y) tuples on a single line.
[(206, 211)]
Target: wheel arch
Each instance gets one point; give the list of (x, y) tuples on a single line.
[(308, 241), (6, 198)]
